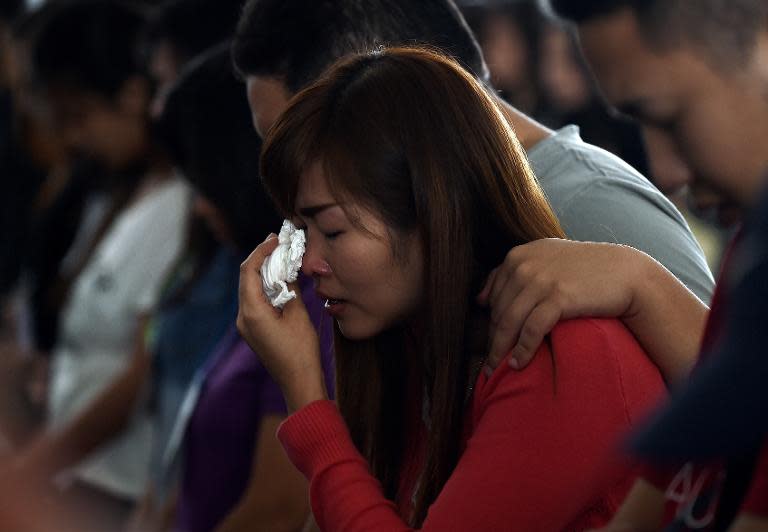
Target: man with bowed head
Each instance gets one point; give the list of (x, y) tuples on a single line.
[(692, 73)]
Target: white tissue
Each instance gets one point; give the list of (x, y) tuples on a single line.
[(282, 266)]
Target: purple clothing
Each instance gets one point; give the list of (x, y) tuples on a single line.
[(219, 440)]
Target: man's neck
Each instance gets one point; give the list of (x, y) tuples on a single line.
[(528, 131)]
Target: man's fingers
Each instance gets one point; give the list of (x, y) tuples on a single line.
[(540, 322), (482, 297), (498, 288), (506, 329), (513, 276), (504, 337), (514, 298)]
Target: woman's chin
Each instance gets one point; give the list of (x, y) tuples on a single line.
[(356, 331)]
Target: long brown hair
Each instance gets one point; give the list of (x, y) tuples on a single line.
[(410, 135)]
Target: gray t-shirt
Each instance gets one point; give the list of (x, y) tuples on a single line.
[(600, 198)]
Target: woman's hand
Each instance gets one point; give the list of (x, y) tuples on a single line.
[(286, 341)]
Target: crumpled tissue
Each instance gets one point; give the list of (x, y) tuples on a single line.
[(282, 266)]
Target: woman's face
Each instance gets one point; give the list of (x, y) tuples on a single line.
[(367, 289)]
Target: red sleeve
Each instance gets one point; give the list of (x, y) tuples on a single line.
[(756, 501), (539, 456)]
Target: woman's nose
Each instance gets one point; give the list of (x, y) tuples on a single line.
[(313, 264)]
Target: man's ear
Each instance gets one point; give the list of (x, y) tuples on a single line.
[(133, 97)]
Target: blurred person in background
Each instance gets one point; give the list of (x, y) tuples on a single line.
[(224, 434), (507, 34), (61, 187), (569, 98), (692, 74), (84, 62), (197, 304), (20, 180), (525, 50), (179, 30), (534, 66)]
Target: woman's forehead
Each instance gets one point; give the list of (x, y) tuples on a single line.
[(312, 187)]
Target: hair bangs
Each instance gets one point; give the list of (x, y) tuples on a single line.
[(292, 145), (362, 166)]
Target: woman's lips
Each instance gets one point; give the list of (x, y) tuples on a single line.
[(334, 306)]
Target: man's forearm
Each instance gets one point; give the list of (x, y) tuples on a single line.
[(667, 319)]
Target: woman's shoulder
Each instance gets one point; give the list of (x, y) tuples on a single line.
[(601, 348), (599, 336), (581, 358)]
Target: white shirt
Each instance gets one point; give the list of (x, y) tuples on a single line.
[(98, 331)]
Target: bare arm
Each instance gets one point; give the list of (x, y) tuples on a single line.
[(277, 497), (549, 280), (150, 517), (667, 319), (103, 419), (746, 522), (641, 511)]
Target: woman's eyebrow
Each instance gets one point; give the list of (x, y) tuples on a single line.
[(314, 210)]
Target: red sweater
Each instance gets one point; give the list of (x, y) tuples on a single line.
[(541, 451)]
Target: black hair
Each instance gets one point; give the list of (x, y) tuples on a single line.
[(87, 45), (192, 26), (725, 30), (208, 132), (296, 40), (10, 9), (579, 11)]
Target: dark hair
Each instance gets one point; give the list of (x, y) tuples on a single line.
[(579, 11), (207, 129), (725, 30), (296, 40), (10, 9), (410, 135), (192, 26), (87, 45)]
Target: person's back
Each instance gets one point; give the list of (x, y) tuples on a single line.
[(83, 59), (99, 322), (222, 433), (596, 196)]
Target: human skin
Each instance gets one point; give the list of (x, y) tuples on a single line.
[(712, 121), (705, 128), (352, 263)]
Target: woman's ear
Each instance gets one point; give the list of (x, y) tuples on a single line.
[(134, 95)]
